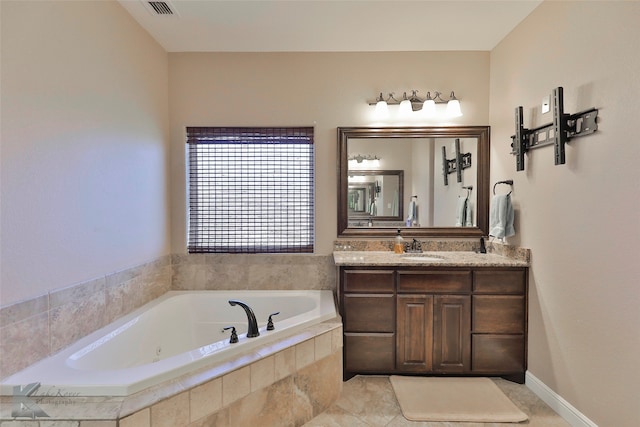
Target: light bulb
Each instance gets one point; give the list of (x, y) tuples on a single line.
[(429, 107), (382, 109), (453, 107), (405, 106)]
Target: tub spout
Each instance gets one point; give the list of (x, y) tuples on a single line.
[(251, 318)]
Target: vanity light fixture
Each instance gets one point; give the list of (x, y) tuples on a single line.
[(414, 103), (364, 160)]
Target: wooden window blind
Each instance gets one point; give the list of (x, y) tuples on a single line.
[(251, 190)]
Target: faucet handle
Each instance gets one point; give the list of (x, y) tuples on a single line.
[(270, 326), (234, 335), (483, 248)]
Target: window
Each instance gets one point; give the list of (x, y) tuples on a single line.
[(251, 190)]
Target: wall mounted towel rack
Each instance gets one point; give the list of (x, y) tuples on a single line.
[(563, 128), (508, 182), (459, 163)]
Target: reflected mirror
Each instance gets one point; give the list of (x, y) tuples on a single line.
[(375, 194), (428, 181)]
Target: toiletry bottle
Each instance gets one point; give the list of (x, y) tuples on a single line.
[(398, 246)]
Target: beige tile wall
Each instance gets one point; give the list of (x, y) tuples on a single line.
[(285, 388), (34, 329), (290, 384), (46, 324), (282, 383), (253, 271)]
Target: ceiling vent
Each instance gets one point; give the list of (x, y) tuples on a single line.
[(160, 8)]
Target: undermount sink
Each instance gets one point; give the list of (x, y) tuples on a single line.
[(421, 257)]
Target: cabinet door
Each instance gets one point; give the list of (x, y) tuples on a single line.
[(437, 281), (502, 281), (369, 352), (452, 331), (371, 281), (414, 333), (501, 354), (369, 313), (499, 314)]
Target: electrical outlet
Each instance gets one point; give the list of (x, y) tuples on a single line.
[(545, 104)]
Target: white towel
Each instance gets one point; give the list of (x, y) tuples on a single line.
[(468, 217), (373, 209), (394, 206), (501, 217), (461, 211), (412, 211)]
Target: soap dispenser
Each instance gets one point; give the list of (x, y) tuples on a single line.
[(398, 246)]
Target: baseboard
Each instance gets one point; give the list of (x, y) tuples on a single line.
[(557, 403)]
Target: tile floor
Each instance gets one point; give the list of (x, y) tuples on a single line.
[(369, 401)]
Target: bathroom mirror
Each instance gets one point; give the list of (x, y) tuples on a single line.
[(375, 194), (425, 206)]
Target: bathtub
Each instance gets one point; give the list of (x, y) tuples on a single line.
[(170, 336)]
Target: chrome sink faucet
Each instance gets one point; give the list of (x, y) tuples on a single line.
[(252, 331)]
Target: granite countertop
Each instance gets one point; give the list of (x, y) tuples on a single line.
[(430, 258)]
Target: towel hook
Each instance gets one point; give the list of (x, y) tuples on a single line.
[(468, 188), (508, 182)]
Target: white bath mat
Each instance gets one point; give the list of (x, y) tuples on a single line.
[(477, 400)]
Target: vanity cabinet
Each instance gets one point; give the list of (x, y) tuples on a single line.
[(499, 321), (368, 316), (434, 320)]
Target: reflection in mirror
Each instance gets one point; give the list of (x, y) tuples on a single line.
[(375, 194), (424, 203)]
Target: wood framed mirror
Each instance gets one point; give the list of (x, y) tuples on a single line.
[(375, 195), (427, 205)]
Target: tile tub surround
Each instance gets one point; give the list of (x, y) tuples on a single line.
[(253, 271), (283, 383), (37, 328), (48, 323)]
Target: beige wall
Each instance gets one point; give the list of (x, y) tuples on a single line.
[(326, 90), (84, 135), (580, 219)]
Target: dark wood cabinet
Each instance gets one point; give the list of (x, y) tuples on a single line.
[(434, 320), (367, 301), (414, 349), (499, 328), (452, 340)]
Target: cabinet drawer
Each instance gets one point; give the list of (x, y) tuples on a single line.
[(369, 313), (498, 353), (368, 281), (499, 314), (454, 281), (369, 352), (500, 281)]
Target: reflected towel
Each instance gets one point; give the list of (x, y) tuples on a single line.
[(468, 217), (394, 206), (501, 217), (373, 209), (461, 211), (412, 211)]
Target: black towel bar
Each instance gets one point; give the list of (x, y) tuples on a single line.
[(508, 182)]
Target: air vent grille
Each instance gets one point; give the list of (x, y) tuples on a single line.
[(161, 7)]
